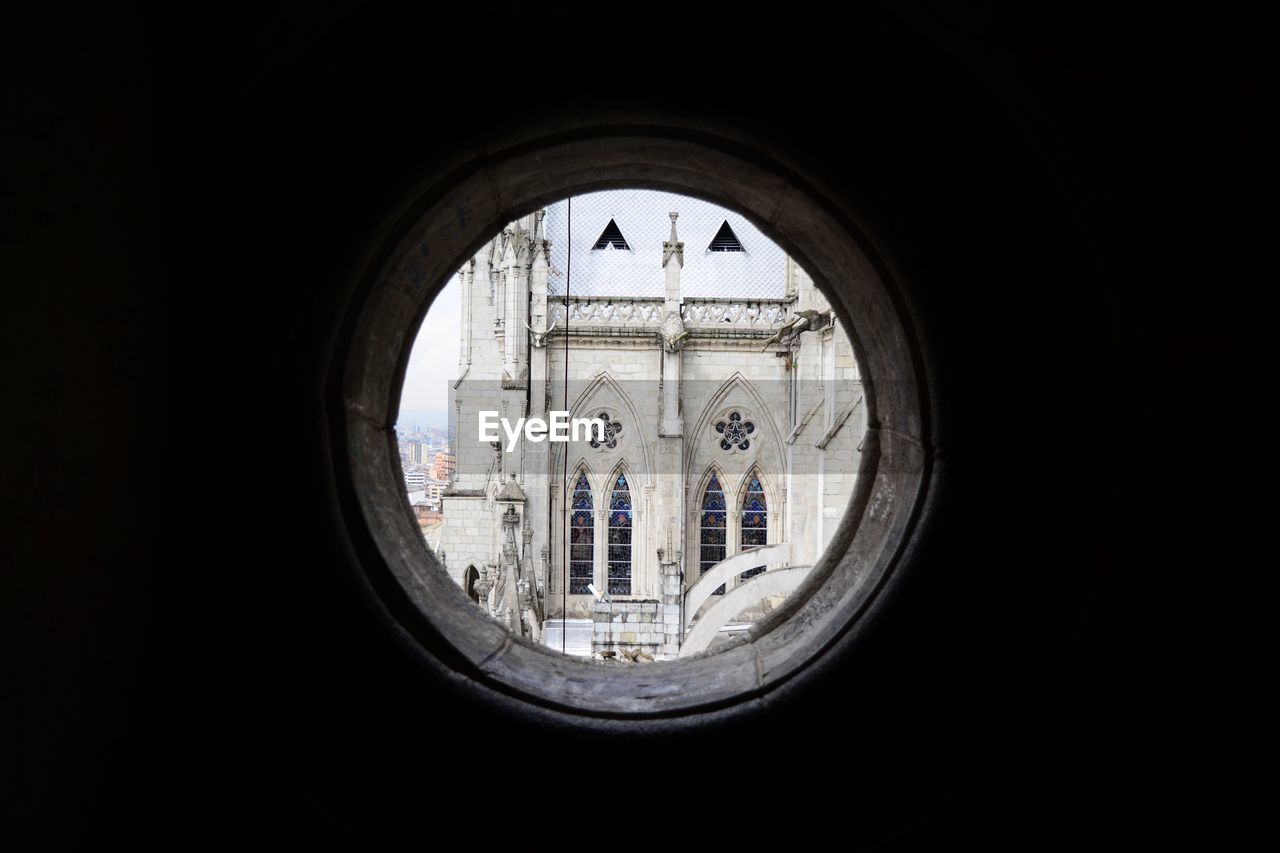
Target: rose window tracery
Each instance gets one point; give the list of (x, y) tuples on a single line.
[(735, 433), (612, 429)]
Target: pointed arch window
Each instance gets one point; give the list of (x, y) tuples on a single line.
[(620, 537), (755, 520), (582, 537), (469, 578), (711, 533)]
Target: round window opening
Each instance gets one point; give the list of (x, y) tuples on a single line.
[(626, 446), (651, 432)]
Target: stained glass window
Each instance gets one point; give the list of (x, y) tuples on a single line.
[(582, 538), (620, 538), (755, 520), (711, 540)]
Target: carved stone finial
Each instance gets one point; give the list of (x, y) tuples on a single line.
[(673, 247), (511, 492)]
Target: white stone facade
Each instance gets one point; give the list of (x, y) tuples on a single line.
[(734, 338)]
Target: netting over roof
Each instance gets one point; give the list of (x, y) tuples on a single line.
[(757, 272)]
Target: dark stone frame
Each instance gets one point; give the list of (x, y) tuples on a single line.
[(447, 218)]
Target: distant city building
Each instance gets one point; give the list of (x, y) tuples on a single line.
[(415, 481), (442, 466), (425, 509)]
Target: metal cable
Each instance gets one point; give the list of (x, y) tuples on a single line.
[(564, 478)]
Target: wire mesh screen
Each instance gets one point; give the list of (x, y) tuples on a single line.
[(642, 219)]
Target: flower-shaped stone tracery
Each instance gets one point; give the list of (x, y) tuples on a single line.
[(612, 429), (735, 433)]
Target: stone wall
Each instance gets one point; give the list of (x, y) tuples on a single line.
[(468, 534), (651, 626)]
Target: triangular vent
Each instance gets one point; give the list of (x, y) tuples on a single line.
[(611, 237), (725, 240)]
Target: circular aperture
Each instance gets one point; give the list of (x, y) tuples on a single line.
[(578, 426), (442, 230)]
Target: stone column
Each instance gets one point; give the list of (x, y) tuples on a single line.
[(670, 485), (478, 296), (673, 334), (467, 277), (501, 263), (672, 595), (515, 315), (538, 279), (536, 465)]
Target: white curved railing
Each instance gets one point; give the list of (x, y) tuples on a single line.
[(746, 594), (727, 569)]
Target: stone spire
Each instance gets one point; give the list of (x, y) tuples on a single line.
[(673, 248), (673, 334), (510, 602), (673, 330), (511, 492), (515, 314), (538, 283)]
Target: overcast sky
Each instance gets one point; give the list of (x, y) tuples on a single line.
[(434, 360)]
